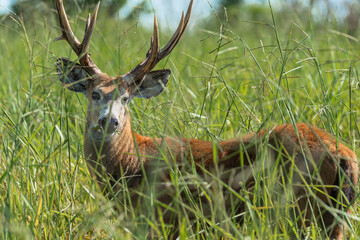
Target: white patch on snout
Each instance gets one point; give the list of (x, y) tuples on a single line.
[(113, 109)]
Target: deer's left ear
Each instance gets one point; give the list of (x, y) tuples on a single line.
[(152, 84)]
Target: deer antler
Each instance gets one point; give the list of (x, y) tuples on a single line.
[(81, 49), (153, 56)]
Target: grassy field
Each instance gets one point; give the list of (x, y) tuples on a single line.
[(229, 78)]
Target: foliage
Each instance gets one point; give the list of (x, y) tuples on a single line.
[(229, 78), (30, 8), (230, 3)]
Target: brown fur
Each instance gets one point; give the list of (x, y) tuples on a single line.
[(320, 150)]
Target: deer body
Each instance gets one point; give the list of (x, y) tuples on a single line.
[(112, 148), (120, 158), (318, 146)]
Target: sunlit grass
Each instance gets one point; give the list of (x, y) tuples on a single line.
[(228, 79)]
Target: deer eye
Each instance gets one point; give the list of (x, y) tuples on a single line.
[(124, 99), (95, 96)]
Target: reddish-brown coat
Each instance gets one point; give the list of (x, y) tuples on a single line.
[(120, 157)]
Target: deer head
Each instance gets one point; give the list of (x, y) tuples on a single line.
[(107, 96)]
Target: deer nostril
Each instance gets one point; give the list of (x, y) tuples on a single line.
[(115, 122), (102, 122)]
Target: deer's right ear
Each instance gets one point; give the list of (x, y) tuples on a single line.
[(72, 75)]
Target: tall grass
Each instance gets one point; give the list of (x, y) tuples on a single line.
[(228, 78)]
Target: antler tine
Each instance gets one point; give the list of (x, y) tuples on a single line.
[(154, 48), (87, 23), (81, 49), (173, 40), (156, 35), (67, 33), (177, 35), (89, 30), (154, 55)]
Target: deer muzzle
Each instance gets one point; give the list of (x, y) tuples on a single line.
[(110, 124)]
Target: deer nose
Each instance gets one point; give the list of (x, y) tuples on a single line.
[(113, 123)]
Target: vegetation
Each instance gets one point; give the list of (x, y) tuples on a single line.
[(228, 78), (26, 8)]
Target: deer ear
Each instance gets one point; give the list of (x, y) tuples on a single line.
[(72, 75), (152, 84)]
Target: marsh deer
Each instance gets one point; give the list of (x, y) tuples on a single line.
[(113, 149)]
